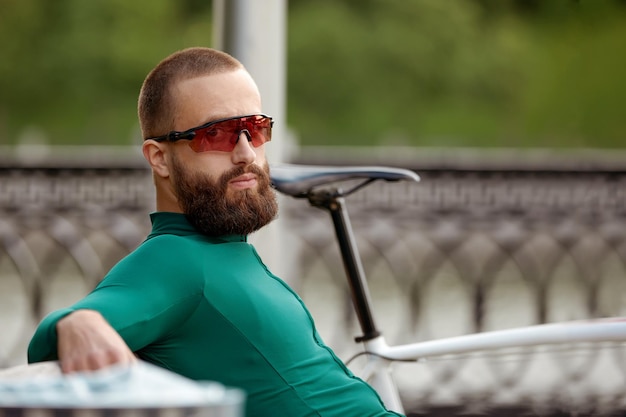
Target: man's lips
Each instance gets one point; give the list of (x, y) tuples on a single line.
[(244, 181)]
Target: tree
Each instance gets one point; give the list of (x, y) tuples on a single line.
[(360, 72)]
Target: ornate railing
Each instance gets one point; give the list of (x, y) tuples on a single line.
[(473, 247)]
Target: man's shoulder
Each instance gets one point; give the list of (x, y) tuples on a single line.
[(162, 251), (163, 256)]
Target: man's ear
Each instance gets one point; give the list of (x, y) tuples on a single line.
[(154, 152)]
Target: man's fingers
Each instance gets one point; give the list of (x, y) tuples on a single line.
[(96, 360)]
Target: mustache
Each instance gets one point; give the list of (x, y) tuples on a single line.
[(261, 172)]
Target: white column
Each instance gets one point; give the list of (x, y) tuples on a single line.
[(253, 31)]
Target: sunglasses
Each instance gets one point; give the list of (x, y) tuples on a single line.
[(222, 135)]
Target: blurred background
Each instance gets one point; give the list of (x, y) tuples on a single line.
[(479, 73), (512, 112)]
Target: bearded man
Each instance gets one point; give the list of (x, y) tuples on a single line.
[(195, 297)]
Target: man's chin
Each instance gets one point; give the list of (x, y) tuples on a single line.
[(237, 194)]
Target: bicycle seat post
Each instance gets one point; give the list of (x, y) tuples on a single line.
[(334, 203)]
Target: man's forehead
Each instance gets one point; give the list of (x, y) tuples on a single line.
[(217, 96)]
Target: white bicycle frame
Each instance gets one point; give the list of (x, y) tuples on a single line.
[(378, 373), (304, 182)]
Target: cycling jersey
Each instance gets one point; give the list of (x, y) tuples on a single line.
[(209, 309)]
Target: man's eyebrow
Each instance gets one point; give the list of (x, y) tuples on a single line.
[(218, 116), (222, 116), (213, 118)]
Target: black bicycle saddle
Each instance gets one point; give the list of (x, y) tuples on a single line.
[(298, 180)]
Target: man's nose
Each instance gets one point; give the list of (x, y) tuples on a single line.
[(243, 153)]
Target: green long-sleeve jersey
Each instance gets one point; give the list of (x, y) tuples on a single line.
[(209, 309)]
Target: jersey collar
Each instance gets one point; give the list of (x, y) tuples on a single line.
[(177, 224)]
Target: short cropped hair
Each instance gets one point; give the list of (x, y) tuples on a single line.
[(156, 106)]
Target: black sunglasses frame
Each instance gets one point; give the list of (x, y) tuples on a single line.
[(189, 134)]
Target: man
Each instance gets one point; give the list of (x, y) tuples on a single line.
[(195, 297)]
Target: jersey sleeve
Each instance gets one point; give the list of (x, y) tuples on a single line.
[(144, 297), (43, 345)]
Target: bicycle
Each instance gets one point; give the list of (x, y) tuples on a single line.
[(317, 185)]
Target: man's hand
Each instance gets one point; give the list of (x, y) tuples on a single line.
[(87, 342)]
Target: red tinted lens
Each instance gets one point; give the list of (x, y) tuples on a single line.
[(260, 129), (223, 136)]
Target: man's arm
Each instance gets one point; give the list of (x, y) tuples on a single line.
[(142, 299), (81, 340)]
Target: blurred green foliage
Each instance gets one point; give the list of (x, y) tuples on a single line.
[(516, 73)]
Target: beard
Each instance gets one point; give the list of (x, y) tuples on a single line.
[(214, 210)]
